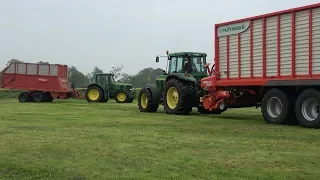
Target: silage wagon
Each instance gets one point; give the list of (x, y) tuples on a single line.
[(38, 82), (270, 61)]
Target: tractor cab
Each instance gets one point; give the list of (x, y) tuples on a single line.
[(104, 79), (178, 89), (190, 63)]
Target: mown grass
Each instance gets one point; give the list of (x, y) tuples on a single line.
[(72, 139)]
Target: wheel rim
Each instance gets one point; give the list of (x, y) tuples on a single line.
[(310, 109), (172, 97), (274, 107), (93, 94), (222, 105), (121, 97), (144, 100)]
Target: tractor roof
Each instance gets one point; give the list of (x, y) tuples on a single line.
[(187, 53), (110, 74)]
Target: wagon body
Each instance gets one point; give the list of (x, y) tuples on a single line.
[(264, 49), (270, 61), (33, 77)]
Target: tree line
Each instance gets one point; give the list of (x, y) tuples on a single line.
[(81, 80)]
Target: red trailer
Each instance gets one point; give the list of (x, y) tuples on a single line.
[(270, 61), (41, 82)]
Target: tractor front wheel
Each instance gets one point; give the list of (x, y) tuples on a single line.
[(178, 97), (94, 94), (121, 96), (145, 101)]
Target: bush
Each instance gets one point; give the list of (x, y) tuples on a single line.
[(8, 93)]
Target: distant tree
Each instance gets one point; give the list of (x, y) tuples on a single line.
[(95, 71), (76, 77), (90, 78), (126, 78), (145, 76), (116, 70)]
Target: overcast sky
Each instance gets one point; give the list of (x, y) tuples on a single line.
[(88, 33)]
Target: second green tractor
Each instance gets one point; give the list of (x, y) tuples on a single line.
[(105, 87), (177, 89)]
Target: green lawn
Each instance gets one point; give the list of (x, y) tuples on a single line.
[(71, 139)]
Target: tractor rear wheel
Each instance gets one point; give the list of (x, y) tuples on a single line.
[(94, 94), (121, 96), (24, 97), (178, 97), (145, 101)]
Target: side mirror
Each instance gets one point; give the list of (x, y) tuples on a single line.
[(157, 59)]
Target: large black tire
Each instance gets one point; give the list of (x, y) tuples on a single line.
[(276, 108), (145, 101), (94, 94), (307, 109), (185, 100), (24, 97), (47, 97), (38, 97), (121, 96)]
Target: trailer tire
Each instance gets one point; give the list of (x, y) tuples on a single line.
[(307, 109), (24, 97), (276, 107), (145, 101), (38, 97), (47, 97)]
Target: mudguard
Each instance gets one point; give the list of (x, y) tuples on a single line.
[(182, 76), (155, 91)]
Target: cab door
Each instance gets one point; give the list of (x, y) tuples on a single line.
[(103, 81)]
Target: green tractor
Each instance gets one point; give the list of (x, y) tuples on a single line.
[(105, 87), (178, 89)]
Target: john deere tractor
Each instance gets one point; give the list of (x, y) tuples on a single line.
[(105, 87), (178, 89)]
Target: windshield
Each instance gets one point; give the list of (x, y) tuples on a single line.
[(187, 64)]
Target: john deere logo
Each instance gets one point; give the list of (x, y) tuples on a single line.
[(233, 28)]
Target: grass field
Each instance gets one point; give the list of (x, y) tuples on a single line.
[(71, 139)]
